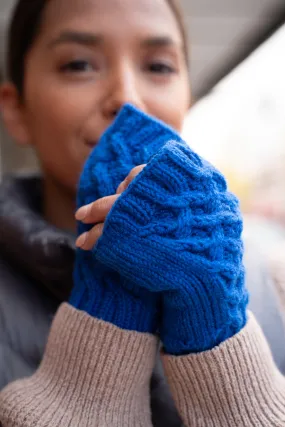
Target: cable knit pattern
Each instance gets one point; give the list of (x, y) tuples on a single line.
[(132, 140), (178, 232)]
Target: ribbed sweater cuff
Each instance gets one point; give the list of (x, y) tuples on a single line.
[(103, 294), (92, 374), (235, 384)]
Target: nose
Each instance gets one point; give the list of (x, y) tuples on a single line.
[(123, 88)]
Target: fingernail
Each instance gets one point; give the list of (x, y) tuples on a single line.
[(81, 213), (81, 240)]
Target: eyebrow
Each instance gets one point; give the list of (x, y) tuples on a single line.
[(78, 37), (90, 39), (159, 41)]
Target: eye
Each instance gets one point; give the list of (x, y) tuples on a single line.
[(161, 68), (77, 66)]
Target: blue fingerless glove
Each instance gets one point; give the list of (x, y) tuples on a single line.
[(99, 290), (178, 233)]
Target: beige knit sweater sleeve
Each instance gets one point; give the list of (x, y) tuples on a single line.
[(235, 384), (95, 374), (92, 374)]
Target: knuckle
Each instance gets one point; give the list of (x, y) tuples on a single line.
[(92, 238), (89, 242), (96, 232), (103, 204), (98, 208), (92, 210)]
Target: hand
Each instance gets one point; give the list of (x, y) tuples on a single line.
[(176, 232), (96, 213), (131, 140), (106, 294)]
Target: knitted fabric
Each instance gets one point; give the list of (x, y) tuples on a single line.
[(133, 139), (178, 233)]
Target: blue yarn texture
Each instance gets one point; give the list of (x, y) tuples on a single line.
[(171, 243), (103, 292), (176, 231)]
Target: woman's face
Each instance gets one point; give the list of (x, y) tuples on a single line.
[(90, 58)]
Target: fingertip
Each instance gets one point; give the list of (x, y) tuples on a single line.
[(82, 213), (88, 240), (80, 242)]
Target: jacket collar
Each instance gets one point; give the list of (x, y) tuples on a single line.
[(32, 245)]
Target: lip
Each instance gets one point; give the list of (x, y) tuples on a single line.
[(91, 144)]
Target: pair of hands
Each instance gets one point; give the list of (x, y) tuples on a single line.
[(96, 213), (173, 241)]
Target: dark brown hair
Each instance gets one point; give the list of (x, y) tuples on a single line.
[(24, 28)]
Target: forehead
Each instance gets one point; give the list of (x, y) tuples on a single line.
[(117, 16)]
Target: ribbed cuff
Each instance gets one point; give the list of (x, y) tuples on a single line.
[(235, 384), (198, 314), (104, 294), (203, 315), (92, 373)]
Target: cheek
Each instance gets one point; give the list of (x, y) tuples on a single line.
[(55, 119), (54, 110), (172, 105)]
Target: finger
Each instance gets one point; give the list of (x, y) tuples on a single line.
[(88, 240), (134, 172), (96, 211)]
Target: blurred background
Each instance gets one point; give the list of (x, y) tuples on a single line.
[(238, 116)]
